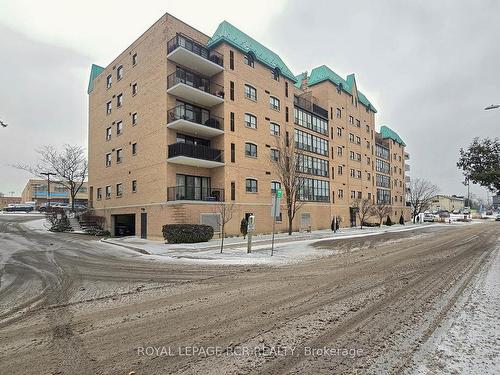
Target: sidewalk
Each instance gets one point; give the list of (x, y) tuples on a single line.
[(288, 249)]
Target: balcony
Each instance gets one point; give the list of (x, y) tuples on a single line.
[(407, 167), (308, 103), (195, 155), (192, 193), (189, 53), (195, 121), (194, 88)]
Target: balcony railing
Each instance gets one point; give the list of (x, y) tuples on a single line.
[(310, 106), (196, 115), (183, 41), (195, 151), (193, 193), (196, 81)]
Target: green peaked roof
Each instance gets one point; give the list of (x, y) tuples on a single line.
[(238, 39), (300, 77), (323, 73), (387, 132), (95, 70)]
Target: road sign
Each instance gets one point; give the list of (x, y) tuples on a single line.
[(276, 206), (279, 193)]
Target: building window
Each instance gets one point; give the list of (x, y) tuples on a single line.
[(119, 73), (251, 149), (275, 155), (286, 114), (358, 123), (134, 148), (108, 134), (351, 120), (340, 151), (233, 152), (367, 128), (275, 74), (351, 155), (339, 132), (274, 128), (134, 59), (360, 195), (108, 107), (286, 89), (351, 137), (233, 190), (311, 143), (99, 194), (108, 192), (231, 60), (134, 118), (340, 170), (339, 113), (314, 190), (119, 190), (108, 160), (231, 90), (353, 194), (310, 121), (311, 165), (134, 89), (352, 173), (358, 140), (370, 196), (250, 92), (232, 121), (250, 121), (134, 186), (119, 155), (274, 103), (119, 100), (248, 60), (109, 81), (340, 194), (251, 185), (275, 186), (119, 128)]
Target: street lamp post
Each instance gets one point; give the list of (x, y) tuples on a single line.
[(48, 174)]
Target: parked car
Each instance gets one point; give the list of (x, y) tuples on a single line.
[(497, 218), (18, 208), (428, 218)]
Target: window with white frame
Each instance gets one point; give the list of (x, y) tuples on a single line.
[(274, 103), (119, 190), (108, 192), (109, 81), (250, 92), (274, 128), (119, 128), (108, 160), (108, 133), (108, 107), (119, 155), (119, 100), (250, 121), (119, 72)]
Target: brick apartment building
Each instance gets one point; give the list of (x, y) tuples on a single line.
[(181, 121), (35, 190)]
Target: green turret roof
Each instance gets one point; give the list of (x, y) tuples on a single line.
[(95, 70), (323, 73), (386, 132), (238, 39), (300, 77)]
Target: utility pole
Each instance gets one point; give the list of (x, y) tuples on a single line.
[(48, 174)]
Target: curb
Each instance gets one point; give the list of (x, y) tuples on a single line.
[(139, 250)]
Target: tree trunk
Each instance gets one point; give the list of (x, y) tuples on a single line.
[(73, 195), (290, 220)]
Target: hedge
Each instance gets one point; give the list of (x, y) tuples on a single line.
[(187, 233)]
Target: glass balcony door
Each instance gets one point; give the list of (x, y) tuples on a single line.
[(191, 113), (192, 187)]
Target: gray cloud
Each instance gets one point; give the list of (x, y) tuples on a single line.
[(429, 67), (42, 98)]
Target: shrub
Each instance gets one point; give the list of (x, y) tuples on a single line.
[(244, 227), (388, 222), (58, 220), (365, 224), (187, 233), (401, 220)]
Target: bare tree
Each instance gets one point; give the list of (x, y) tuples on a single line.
[(381, 210), (286, 167), (69, 166), (224, 213), (420, 195), (364, 208)]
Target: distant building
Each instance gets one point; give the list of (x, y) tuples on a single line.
[(36, 191), (496, 202), (446, 202), (5, 201)]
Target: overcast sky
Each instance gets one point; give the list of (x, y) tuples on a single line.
[(429, 67)]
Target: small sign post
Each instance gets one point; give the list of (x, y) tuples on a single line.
[(275, 212), (250, 230)]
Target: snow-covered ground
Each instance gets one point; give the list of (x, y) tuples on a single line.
[(287, 249), (39, 225), (468, 340)]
